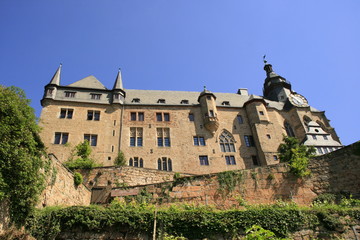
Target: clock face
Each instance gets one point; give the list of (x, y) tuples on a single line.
[(298, 100)]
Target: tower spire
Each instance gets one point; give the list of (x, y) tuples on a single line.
[(118, 82), (56, 78)]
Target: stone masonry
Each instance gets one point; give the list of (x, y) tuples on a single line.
[(336, 172), (61, 190)]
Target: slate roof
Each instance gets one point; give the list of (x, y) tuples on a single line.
[(88, 82)]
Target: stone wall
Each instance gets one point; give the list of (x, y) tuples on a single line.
[(61, 189), (125, 176), (336, 172)]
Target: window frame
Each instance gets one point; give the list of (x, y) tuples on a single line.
[(93, 115), (66, 113), (199, 141), (204, 160), (249, 141), (70, 94), (137, 139), (191, 117), (92, 139), (230, 160), (61, 138)]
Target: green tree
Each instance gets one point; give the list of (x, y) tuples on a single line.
[(22, 161), (297, 155), (120, 159), (83, 151)]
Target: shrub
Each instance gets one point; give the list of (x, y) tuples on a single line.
[(296, 155), (78, 179), (83, 150), (120, 159)]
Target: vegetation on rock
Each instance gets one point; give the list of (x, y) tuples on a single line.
[(83, 160), (22, 163), (78, 179), (120, 159), (297, 155)]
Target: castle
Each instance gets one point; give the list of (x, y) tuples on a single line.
[(190, 132)]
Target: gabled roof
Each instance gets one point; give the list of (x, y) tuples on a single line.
[(88, 82)]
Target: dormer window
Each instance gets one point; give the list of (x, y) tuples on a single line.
[(161, 100), (116, 96), (70, 94), (135, 100), (50, 91), (95, 96), (184, 101), (225, 103)]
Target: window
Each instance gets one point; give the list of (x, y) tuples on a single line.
[(240, 119), (136, 137), (230, 160), (191, 117), (135, 100), (95, 96), (137, 116), (161, 100), (320, 151), (91, 138), (227, 142), (93, 115), (184, 101), (225, 103), (50, 91), (136, 162), (289, 130), (255, 160), (326, 150), (61, 138), (199, 141), (70, 94), (275, 157), (261, 113), (66, 113), (165, 164), (208, 97), (163, 137), (314, 137), (325, 137), (116, 96), (268, 136), (211, 113), (162, 117), (249, 141), (204, 160)]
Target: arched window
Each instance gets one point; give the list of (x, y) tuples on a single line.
[(165, 164), (136, 162), (289, 130), (227, 142)]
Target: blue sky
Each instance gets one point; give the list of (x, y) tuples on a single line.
[(186, 44)]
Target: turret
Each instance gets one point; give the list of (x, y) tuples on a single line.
[(118, 90), (51, 87), (276, 88), (209, 110)]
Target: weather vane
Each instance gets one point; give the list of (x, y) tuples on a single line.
[(204, 88), (264, 59)]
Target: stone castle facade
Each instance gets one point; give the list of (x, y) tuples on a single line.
[(189, 132)]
